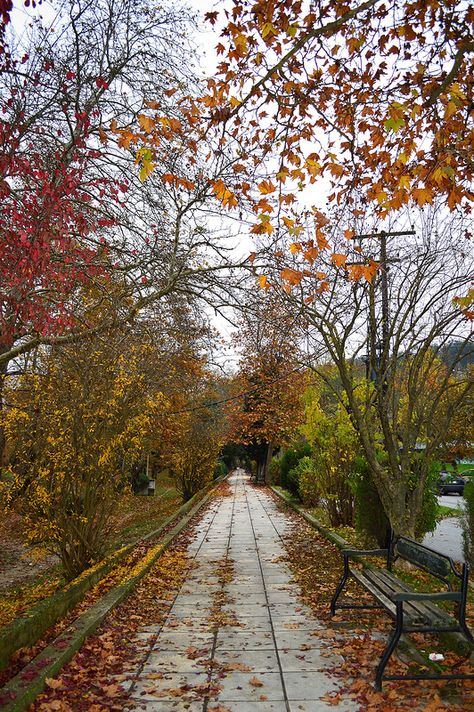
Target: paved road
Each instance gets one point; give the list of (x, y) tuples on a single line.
[(447, 537), (454, 501), (237, 622)]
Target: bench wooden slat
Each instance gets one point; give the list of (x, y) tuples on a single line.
[(379, 586), (389, 586), (432, 608), (415, 611), (374, 589)]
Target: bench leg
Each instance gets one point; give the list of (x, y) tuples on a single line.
[(392, 644), (466, 631), (340, 585)]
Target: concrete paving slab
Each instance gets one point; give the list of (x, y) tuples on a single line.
[(257, 598), (321, 706), (283, 586), (285, 597), (236, 590), (254, 622), (294, 639), (280, 577), (297, 622), (253, 706), (229, 639), (306, 660), (170, 639), (249, 687), (199, 590), (246, 579), (284, 610), (183, 625), (189, 612), (308, 686), (169, 706), (171, 686), (256, 660), (168, 661), (251, 609)]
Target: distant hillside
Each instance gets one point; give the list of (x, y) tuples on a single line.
[(460, 353)]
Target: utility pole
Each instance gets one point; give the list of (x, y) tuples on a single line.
[(383, 261)]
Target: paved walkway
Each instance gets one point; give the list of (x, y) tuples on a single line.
[(236, 626)]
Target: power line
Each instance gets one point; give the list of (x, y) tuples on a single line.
[(202, 406)]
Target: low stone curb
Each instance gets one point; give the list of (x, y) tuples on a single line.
[(456, 641), (23, 689), (23, 632)]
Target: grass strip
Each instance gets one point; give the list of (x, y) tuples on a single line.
[(293, 502)]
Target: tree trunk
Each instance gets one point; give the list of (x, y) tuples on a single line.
[(268, 459), (3, 373)]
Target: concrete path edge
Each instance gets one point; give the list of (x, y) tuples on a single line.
[(19, 692)]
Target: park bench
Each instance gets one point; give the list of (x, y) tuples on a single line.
[(412, 612)]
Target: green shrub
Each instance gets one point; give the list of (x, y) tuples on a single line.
[(335, 445), (220, 469), (288, 462), (370, 517), (427, 519), (468, 523), (308, 483), (274, 471)]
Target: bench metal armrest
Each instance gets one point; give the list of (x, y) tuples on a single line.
[(365, 552), (442, 596)]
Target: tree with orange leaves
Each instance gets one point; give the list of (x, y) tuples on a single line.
[(271, 383), (375, 96)]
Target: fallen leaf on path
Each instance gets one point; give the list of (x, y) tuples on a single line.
[(228, 667), (111, 690), (256, 682), (332, 700)]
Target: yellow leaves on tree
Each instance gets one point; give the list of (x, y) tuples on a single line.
[(73, 426), (266, 187), (144, 158)]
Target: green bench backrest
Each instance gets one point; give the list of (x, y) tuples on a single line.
[(434, 563)]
